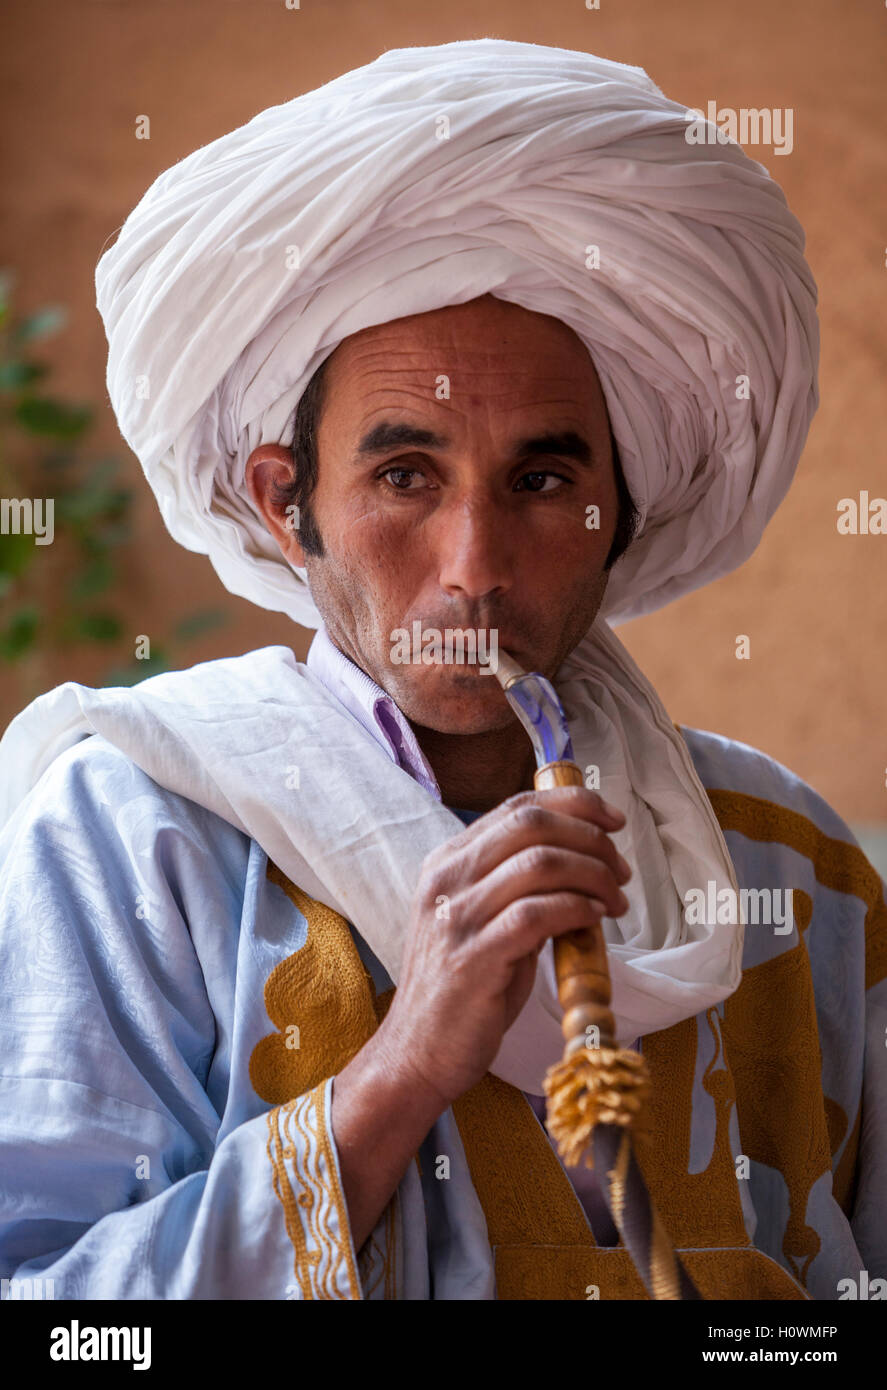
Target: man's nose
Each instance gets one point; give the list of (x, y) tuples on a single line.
[(474, 547)]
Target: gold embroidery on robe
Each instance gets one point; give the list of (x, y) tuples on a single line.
[(319, 1259), (838, 865), (542, 1243), (704, 1208), (756, 1023), (773, 1042), (325, 992)]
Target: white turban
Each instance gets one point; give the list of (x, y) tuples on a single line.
[(427, 178)]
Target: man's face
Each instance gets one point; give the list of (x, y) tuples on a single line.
[(479, 521)]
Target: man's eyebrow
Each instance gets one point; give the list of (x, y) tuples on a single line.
[(387, 435), (565, 443)]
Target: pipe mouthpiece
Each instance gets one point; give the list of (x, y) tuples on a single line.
[(507, 669)]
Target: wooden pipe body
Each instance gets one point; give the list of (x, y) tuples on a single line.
[(580, 957), (597, 1092)]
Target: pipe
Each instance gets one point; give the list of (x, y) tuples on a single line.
[(597, 1090)]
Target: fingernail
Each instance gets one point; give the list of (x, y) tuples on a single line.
[(612, 811), (623, 865)]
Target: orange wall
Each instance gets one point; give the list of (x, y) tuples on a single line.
[(76, 75)]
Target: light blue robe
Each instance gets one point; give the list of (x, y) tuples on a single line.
[(137, 933)]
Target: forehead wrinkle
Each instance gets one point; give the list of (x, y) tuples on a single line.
[(473, 358), (527, 390), (476, 359), (562, 411)]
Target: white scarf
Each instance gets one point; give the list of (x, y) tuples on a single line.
[(354, 833)]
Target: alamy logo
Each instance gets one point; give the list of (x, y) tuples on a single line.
[(749, 125), (27, 1289), (712, 907), (873, 1289), (76, 1343), (450, 646), (25, 516)]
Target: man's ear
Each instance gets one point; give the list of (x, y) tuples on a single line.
[(269, 464)]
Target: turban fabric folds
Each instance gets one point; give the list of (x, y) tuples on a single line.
[(550, 178)]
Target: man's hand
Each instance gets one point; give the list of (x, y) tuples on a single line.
[(540, 864)]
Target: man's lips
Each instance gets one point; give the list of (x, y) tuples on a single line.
[(513, 649), (510, 641), (489, 641)]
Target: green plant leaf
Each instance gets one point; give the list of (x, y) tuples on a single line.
[(44, 415), (113, 534), (16, 553), (96, 495), (91, 502), (41, 324), (14, 375), (98, 627), (19, 634), (93, 579), (55, 460), (194, 624)]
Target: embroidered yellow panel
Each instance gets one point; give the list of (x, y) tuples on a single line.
[(563, 1272), (325, 993), (773, 1041), (543, 1245), (307, 1193), (698, 1209), (838, 865), (771, 1029)]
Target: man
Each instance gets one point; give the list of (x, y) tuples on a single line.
[(505, 357)]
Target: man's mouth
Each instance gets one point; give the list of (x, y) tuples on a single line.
[(421, 644)]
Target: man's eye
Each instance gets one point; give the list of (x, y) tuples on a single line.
[(396, 474), (535, 481)]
